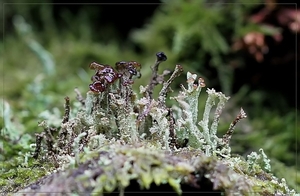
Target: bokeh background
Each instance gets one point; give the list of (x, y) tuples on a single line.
[(246, 50)]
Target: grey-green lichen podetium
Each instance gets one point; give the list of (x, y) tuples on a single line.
[(119, 137)]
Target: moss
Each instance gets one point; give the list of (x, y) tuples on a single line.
[(114, 167), (14, 176)]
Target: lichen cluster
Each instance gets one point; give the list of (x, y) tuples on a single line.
[(118, 136)]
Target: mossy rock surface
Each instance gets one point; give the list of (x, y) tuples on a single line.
[(119, 168)]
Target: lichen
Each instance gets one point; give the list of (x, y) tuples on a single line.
[(260, 159), (119, 137)]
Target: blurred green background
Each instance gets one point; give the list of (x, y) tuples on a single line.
[(246, 50)]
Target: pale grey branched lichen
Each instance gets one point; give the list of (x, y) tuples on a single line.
[(125, 118), (188, 102), (212, 141), (118, 137), (260, 159), (214, 126), (201, 137)]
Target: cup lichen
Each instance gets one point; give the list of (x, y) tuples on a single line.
[(119, 137)]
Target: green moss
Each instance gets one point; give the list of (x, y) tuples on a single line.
[(114, 167), (14, 176)]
